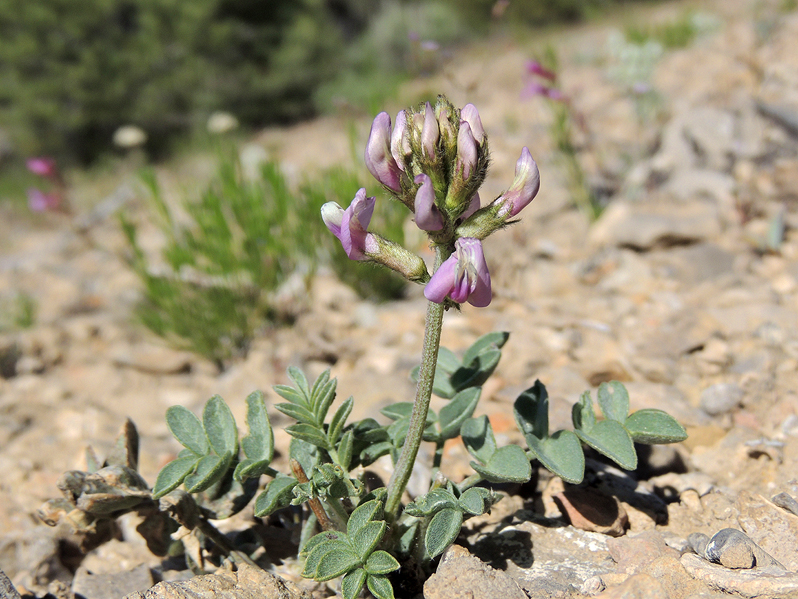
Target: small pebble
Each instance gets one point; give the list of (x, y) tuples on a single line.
[(785, 501), (733, 549)]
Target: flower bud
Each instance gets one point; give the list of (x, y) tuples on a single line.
[(470, 115), (429, 133), (524, 188), (428, 217), (400, 144), (466, 150), (473, 205), (378, 157), (533, 67)]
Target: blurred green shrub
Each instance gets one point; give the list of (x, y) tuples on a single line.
[(675, 34), (73, 71), (401, 39), (221, 271)]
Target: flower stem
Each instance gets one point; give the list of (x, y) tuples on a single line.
[(418, 417)]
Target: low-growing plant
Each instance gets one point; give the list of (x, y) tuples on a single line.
[(433, 162)]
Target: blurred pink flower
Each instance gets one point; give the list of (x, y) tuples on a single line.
[(533, 88), (42, 166), (533, 67), (38, 201)]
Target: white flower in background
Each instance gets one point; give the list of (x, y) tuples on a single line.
[(129, 136), (221, 122)]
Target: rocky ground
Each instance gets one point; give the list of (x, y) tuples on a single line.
[(686, 289)]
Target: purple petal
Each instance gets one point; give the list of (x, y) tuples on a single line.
[(332, 215), (378, 157), (471, 252), (354, 223), (473, 205), (428, 217), (524, 188), (470, 115), (466, 149), (400, 145), (442, 281), (430, 132)]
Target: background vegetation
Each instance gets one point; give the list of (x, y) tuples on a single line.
[(73, 71)]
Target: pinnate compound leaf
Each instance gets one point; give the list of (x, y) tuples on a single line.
[(613, 400), (319, 550), (339, 420), (210, 469), (433, 502), (381, 562), (365, 540), (345, 449), (220, 427), (277, 494), (187, 429), (486, 342), (301, 382), (582, 414), (448, 361), (611, 439), (352, 583), (316, 540), (318, 386), (258, 445), (561, 453), (322, 401), (380, 586), (507, 464), (171, 475), (299, 413), (457, 411), (478, 371), (475, 501), (362, 515), (442, 531), (652, 427), (292, 395), (309, 434), (398, 410), (531, 410), (478, 438), (335, 563)]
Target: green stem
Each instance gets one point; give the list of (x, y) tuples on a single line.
[(418, 417)]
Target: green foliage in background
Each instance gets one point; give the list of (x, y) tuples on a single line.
[(216, 286), (369, 280), (244, 240), (72, 71)]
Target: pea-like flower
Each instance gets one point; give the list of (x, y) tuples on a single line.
[(524, 188), (428, 217), (350, 226), (463, 276), (39, 201), (378, 157), (533, 67)]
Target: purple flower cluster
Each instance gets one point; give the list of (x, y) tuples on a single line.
[(434, 160), (536, 88), (41, 201)]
